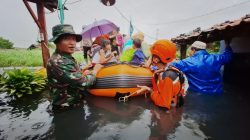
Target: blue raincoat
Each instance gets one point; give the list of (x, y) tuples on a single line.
[(138, 57), (203, 70)]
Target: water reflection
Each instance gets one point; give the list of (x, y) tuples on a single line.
[(188, 129), (72, 125), (121, 120), (26, 118), (100, 118), (202, 117), (106, 118)]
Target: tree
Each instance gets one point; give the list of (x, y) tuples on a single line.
[(5, 44)]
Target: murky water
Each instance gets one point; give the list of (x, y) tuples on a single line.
[(203, 117)]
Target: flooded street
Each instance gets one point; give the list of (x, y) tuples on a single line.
[(202, 117), (113, 48)]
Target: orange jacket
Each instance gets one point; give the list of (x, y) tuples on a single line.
[(167, 88)]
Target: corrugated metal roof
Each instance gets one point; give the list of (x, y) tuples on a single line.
[(227, 29)]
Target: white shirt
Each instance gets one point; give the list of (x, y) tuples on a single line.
[(96, 58), (86, 43)]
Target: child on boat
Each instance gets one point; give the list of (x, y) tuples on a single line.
[(104, 55), (135, 54)]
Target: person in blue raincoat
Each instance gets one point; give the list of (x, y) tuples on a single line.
[(138, 57), (203, 69), (135, 54)]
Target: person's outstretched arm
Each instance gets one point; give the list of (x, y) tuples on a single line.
[(73, 75), (226, 56), (182, 65)]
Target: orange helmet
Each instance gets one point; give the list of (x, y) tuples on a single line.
[(164, 49)]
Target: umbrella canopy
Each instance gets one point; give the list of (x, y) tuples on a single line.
[(98, 28)]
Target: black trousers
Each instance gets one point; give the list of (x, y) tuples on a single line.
[(85, 51)]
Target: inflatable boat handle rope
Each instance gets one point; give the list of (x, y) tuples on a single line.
[(125, 98)]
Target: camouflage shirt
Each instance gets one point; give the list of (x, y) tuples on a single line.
[(65, 79)]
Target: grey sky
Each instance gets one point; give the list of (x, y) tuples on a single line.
[(169, 17)]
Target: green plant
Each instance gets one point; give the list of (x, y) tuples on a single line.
[(22, 81), (214, 48), (5, 44)]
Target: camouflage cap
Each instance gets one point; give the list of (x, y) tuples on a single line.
[(64, 29)]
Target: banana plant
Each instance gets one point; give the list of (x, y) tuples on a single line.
[(20, 82)]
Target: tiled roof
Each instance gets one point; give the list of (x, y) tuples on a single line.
[(228, 29)]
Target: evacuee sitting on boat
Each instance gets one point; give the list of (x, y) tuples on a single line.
[(168, 82), (104, 55), (135, 54), (114, 45), (96, 46)]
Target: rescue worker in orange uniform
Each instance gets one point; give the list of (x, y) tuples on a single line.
[(168, 82)]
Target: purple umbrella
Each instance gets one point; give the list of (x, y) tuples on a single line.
[(98, 28)]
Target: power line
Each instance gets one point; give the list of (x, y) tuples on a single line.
[(72, 2), (65, 2), (122, 15), (190, 18)]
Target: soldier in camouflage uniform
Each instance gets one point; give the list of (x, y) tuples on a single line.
[(64, 75)]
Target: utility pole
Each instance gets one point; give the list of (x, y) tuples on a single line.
[(41, 24), (43, 32)]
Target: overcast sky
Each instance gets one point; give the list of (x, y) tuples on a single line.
[(156, 18)]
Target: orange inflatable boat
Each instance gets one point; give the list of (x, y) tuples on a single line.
[(120, 79)]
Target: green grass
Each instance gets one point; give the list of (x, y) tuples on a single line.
[(32, 58), (79, 56), (23, 57)]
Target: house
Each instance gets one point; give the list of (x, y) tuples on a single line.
[(238, 71)]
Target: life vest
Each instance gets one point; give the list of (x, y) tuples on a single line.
[(168, 88)]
